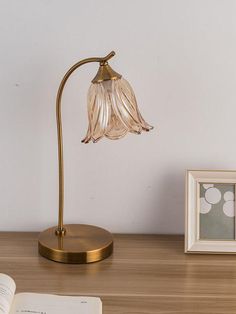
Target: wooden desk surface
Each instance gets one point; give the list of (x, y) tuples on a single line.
[(146, 274)]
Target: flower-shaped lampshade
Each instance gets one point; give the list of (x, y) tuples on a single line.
[(112, 108)]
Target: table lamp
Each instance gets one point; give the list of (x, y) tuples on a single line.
[(112, 113)]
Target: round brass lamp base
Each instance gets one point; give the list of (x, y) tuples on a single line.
[(79, 245)]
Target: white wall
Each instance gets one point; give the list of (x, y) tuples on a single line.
[(180, 57)]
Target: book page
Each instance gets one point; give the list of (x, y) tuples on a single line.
[(33, 303), (7, 291)]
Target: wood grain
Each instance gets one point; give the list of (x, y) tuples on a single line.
[(146, 274)]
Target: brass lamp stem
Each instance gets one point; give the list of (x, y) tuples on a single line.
[(60, 229)]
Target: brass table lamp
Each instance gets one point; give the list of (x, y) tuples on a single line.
[(112, 112)]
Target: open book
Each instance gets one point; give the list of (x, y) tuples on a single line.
[(34, 303)]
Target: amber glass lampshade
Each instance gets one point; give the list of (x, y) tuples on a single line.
[(113, 111)]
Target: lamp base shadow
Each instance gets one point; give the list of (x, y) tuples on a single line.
[(81, 244)]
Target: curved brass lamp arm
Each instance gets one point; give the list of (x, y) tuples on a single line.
[(60, 230)]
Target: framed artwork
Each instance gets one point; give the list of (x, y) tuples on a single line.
[(210, 211)]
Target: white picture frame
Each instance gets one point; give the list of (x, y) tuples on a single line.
[(193, 243)]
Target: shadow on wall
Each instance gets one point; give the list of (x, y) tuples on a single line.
[(167, 206)]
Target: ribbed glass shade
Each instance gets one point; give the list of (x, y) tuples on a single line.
[(113, 111)]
